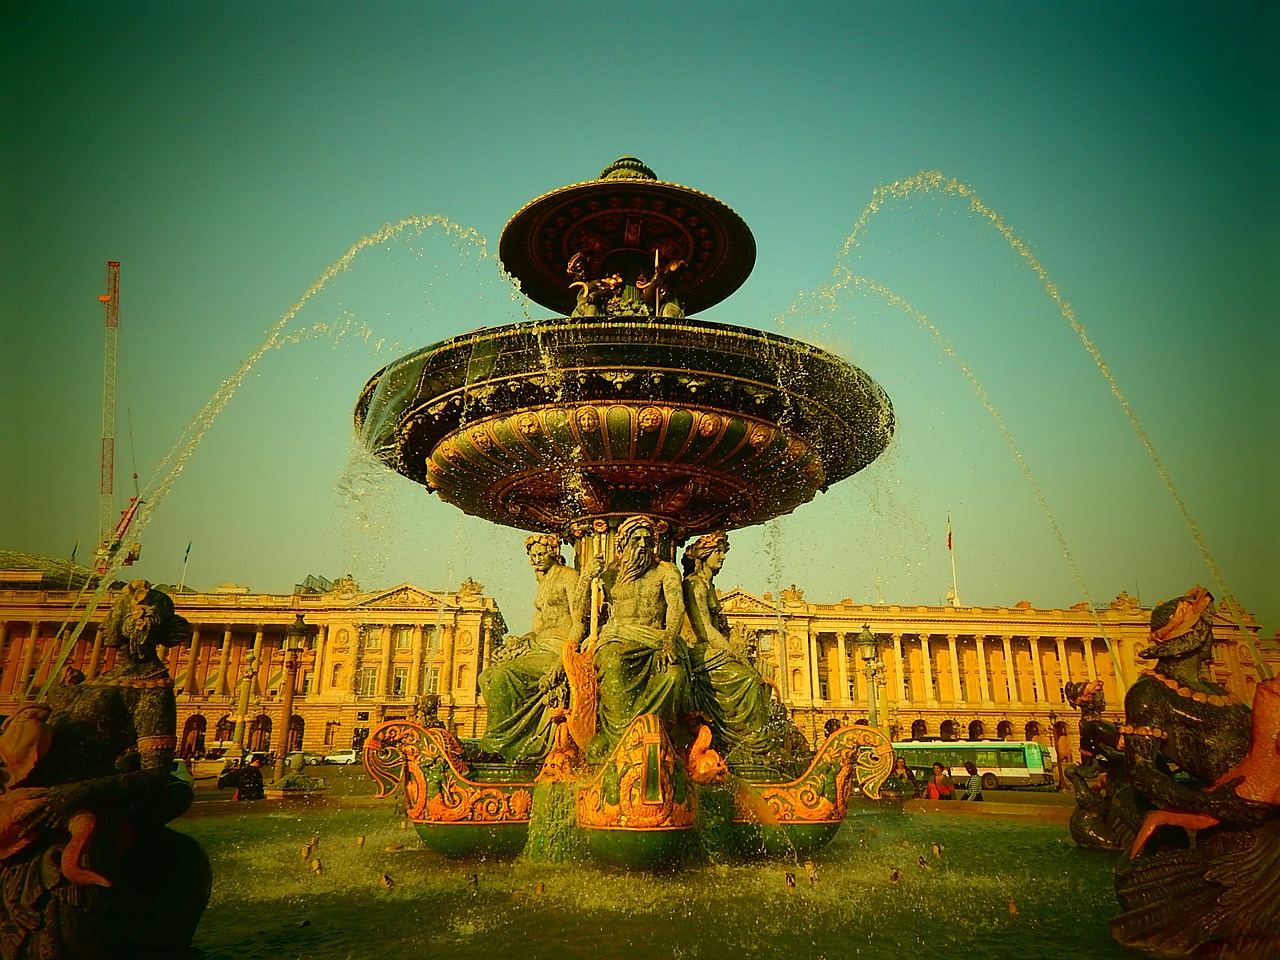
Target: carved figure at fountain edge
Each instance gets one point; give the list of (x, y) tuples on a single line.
[(725, 688), (88, 868), (1217, 897), (520, 687), (641, 661)]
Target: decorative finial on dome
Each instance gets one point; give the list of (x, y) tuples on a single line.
[(627, 168)]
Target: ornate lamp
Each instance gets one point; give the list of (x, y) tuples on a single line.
[(293, 644), (869, 650)]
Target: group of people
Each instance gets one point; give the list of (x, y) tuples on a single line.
[(939, 785), (659, 642)]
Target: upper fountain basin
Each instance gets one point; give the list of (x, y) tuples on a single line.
[(542, 425)]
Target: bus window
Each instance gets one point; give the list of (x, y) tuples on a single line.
[(1012, 758)]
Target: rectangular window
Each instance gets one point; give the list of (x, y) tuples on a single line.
[(822, 688), (433, 679), (372, 638), (400, 682), (304, 686), (367, 681), (330, 733), (404, 637)]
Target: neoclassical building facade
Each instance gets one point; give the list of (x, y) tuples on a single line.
[(957, 672), (370, 657), (944, 672)]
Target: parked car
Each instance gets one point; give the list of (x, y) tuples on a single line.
[(308, 758), (342, 756)]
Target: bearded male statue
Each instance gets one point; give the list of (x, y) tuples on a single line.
[(641, 661)]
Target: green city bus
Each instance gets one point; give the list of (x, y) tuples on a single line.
[(1001, 763)]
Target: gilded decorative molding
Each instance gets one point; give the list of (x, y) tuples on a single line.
[(821, 795), (429, 762), (641, 786)]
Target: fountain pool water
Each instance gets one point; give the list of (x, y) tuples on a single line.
[(268, 903)]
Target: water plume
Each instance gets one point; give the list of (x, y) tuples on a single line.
[(175, 460), (1007, 436), (936, 182)]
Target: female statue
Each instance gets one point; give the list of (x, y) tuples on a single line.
[(1216, 899), (725, 688), (517, 689)]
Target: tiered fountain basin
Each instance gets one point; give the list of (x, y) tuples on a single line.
[(540, 424), (639, 808)]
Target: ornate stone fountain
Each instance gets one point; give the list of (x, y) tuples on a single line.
[(623, 407), (611, 410)]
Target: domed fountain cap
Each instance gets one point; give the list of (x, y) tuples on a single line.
[(627, 212)]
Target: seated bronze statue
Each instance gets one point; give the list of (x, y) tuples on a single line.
[(87, 867), (1204, 868), (724, 686), (518, 687)]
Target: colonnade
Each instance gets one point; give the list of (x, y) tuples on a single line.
[(975, 670)]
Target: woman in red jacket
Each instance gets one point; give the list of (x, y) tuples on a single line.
[(939, 786)]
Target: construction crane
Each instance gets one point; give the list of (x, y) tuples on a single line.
[(106, 487), (111, 532)]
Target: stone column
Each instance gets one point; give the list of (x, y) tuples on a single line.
[(1042, 695), (175, 656), (957, 691), (6, 679), (1114, 648), (842, 664), (1064, 670), (1011, 675), (926, 662), (261, 667), (318, 664), (224, 664), (415, 665), (1089, 665), (384, 668), (193, 662), (446, 656), (95, 654), (28, 658), (811, 644), (983, 688), (902, 697)]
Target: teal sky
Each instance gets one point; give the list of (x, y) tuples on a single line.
[(228, 153)]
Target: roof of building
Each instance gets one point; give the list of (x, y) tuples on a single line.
[(29, 571)]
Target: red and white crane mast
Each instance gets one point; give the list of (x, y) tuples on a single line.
[(106, 516)]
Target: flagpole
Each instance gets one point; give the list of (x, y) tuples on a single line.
[(955, 594), (182, 586)]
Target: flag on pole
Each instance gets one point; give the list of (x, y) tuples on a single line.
[(948, 531), (187, 556), (74, 549)]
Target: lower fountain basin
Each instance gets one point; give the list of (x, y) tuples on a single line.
[(636, 809)]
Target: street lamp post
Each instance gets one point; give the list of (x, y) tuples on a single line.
[(247, 670), (1057, 752), (295, 641), (869, 650)]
